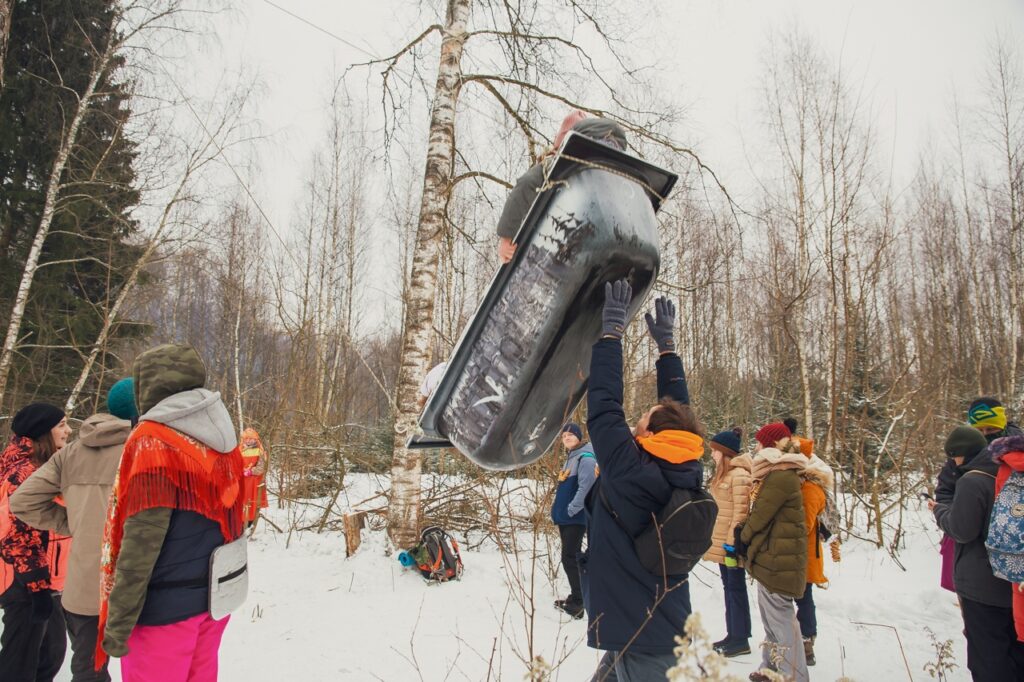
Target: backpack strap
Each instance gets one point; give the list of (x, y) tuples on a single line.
[(983, 473), (612, 512)]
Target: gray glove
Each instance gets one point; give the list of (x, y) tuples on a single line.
[(616, 300), (663, 324)]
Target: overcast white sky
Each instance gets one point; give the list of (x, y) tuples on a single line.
[(910, 55)]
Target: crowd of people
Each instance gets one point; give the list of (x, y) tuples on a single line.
[(111, 541), (775, 512)]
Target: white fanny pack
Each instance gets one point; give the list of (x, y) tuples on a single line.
[(229, 577)]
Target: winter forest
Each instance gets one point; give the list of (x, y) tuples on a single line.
[(321, 260)]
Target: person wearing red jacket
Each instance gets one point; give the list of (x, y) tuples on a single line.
[(1009, 453), (33, 642)]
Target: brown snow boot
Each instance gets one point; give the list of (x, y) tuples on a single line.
[(809, 650)]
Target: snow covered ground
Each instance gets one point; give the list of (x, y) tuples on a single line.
[(312, 614)]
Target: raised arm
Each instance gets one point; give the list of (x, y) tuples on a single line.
[(613, 442)]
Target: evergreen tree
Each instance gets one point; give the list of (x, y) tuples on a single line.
[(52, 52)]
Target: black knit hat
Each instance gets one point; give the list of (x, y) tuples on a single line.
[(35, 420), (966, 442)]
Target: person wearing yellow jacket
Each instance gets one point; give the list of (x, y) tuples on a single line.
[(817, 479), (730, 486)]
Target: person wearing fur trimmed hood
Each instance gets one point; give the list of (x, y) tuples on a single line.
[(176, 499), (633, 614), (774, 542), (1008, 453), (993, 652), (817, 480), (730, 486)]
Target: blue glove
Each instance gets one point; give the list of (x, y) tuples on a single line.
[(663, 324), (616, 300)]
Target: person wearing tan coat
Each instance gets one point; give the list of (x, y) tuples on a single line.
[(730, 486), (82, 474)]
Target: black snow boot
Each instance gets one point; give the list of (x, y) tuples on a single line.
[(571, 606)]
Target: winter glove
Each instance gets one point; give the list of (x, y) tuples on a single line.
[(662, 324), (731, 558), (739, 546), (616, 300), (42, 606)]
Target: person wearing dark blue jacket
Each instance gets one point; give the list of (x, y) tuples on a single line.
[(635, 615), (574, 482)]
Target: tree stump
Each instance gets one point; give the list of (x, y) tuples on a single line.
[(352, 527)]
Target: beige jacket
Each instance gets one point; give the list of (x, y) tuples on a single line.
[(732, 495), (83, 473)]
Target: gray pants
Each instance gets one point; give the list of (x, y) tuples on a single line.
[(633, 667), (784, 647)]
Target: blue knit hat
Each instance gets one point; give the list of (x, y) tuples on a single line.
[(730, 440), (574, 429), (121, 400)]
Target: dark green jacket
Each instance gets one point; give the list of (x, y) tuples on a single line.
[(775, 532)]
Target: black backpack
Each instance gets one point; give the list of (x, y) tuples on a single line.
[(678, 535), (437, 555)]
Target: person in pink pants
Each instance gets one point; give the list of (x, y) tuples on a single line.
[(185, 651)]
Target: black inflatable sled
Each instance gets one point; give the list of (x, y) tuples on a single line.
[(522, 363)]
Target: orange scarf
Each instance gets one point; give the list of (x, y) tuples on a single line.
[(673, 446), (163, 468)]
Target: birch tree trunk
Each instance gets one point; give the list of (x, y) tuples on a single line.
[(404, 507), (6, 12), (53, 187)]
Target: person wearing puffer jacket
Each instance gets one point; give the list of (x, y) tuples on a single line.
[(993, 653), (730, 486), (774, 542), (177, 498), (817, 480), (1008, 453)]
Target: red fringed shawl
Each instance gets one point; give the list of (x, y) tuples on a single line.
[(161, 467)]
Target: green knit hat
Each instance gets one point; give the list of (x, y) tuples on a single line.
[(121, 400), (966, 442), (165, 370)]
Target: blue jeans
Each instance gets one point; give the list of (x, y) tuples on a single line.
[(737, 607), (805, 613)]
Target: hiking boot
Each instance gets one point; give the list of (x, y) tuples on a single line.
[(572, 607), (809, 650), (733, 648), (758, 676), (720, 643)]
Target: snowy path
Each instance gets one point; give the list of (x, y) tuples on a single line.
[(313, 615)]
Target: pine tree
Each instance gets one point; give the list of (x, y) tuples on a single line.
[(51, 55)]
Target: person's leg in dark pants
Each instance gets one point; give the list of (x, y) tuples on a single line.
[(82, 631), (992, 647), (737, 606), (21, 638), (54, 644), (805, 613), (572, 544)]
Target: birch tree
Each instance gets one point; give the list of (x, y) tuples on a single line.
[(127, 23)]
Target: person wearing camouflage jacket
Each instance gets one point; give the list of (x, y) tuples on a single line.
[(176, 500)]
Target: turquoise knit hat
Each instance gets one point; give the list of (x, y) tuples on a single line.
[(121, 400)]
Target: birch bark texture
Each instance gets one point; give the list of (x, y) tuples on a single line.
[(53, 186), (404, 505)]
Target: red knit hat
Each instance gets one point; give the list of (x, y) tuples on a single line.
[(770, 434)]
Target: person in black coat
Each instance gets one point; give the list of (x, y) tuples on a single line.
[(993, 652), (635, 615)]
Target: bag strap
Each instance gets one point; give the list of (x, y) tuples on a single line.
[(612, 512), (983, 473)]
